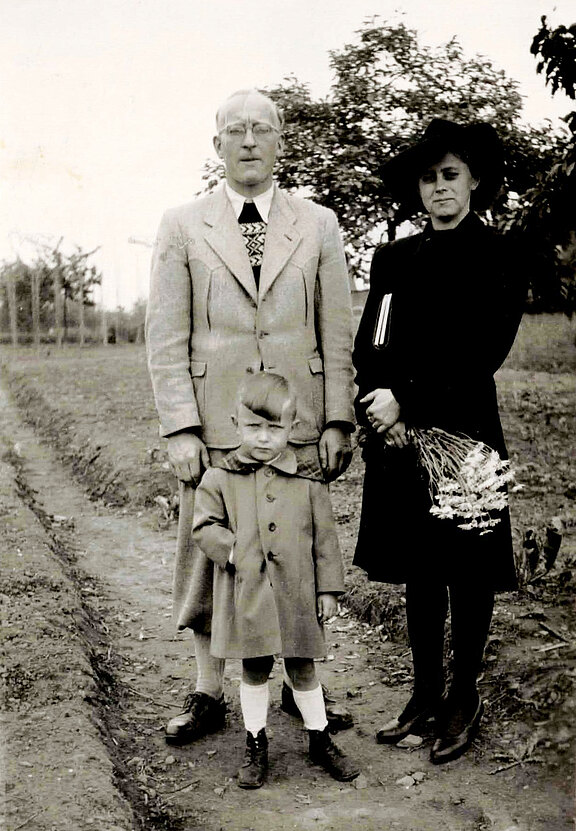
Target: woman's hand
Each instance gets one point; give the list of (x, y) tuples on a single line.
[(383, 410), (396, 436), (327, 607)]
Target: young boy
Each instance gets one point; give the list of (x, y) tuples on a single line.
[(268, 524)]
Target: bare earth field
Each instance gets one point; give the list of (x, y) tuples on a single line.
[(92, 667)]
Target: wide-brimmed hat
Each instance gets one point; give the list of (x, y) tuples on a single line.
[(476, 144)]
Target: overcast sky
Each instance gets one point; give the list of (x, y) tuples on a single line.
[(107, 105)]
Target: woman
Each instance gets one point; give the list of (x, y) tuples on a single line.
[(442, 313)]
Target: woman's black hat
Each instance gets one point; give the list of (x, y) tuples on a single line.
[(476, 144)]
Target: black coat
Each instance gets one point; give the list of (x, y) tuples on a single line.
[(457, 299)]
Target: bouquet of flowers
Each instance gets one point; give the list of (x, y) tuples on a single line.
[(466, 478)]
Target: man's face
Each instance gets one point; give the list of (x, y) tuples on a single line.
[(248, 141)]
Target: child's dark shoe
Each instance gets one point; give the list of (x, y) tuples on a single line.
[(253, 771), (325, 753)]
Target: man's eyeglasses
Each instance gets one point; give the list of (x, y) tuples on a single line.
[(237, 132)]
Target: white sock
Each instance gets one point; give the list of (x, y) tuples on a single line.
[(311, 705), (254, 703), (210, 669)]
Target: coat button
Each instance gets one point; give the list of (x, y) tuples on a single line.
[(249, 369), (270, 555), (268, 472), (270, 498), (272, 526)]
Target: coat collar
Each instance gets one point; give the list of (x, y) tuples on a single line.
[(287, 463), (282, 239), (225, 238), (470, 224)]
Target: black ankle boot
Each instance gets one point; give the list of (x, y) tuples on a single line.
[(325, 753), (253, 771), (457, 727), (412, 719)]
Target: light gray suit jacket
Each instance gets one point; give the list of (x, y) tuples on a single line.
[(208, 325)]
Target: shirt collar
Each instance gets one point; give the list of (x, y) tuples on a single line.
[(285, 461), (263, 201)]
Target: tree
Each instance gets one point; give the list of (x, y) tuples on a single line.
[(548, 209), (386, 87), (36, 302)]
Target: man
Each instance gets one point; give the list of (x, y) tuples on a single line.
[(244, 279)]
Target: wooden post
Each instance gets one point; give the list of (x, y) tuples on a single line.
[(12, 307), (58, 306), (81, 293), (103, 321), (35, 290)]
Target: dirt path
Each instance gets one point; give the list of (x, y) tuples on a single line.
[(119, 567)]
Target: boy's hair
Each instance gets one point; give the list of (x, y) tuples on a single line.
[(267, 395)]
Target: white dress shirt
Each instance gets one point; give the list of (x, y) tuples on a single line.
[(263, 201)]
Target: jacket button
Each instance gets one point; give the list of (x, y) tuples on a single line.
[(270, 555), (268, 472), (272, 526), (270, 498), (249, 369)]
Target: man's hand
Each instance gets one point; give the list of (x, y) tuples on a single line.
[(335, 449), (383, 410), (188, 457), (327, 607)]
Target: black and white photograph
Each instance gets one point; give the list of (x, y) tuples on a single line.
[(287, 415)]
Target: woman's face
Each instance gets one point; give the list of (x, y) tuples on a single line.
[(445, 189)]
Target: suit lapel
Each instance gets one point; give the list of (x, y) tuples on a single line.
[(225, 238), (282, 239)]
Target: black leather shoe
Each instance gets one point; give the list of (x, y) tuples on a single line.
[(456, 736), (253, 771), (324, 752), (202, 714), (411, 720), (339, 718)]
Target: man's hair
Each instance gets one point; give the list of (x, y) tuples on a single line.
[(245, 93), (267, 395)]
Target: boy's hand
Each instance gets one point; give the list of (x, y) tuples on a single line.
[(327, 607)]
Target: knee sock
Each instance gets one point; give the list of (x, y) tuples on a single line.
[(210, 669), (311, 705), (254, 703)]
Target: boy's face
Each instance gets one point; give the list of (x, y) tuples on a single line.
[(261, 439)]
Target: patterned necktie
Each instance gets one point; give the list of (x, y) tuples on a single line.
[(253, 230)]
